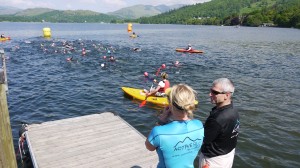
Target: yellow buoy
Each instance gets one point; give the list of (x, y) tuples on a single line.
[(129, 28), (47, 32)]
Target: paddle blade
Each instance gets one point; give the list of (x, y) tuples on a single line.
[(143, 103)]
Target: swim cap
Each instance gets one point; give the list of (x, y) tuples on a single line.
[(176, 62), (146, 74), (163, 65), (102, 65), (104, 57)]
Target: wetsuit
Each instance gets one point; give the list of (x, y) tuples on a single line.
[(177, 142), (221, 131)]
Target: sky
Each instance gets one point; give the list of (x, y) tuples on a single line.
[(102, 6)]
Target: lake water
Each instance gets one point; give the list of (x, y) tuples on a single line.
[(264, 64)]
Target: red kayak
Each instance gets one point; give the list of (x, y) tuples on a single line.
[(190, 51)]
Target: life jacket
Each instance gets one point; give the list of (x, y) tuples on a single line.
[(167, 85)]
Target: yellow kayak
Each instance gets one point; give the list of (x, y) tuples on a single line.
[(4, 39), (140, 95), (133, 36)]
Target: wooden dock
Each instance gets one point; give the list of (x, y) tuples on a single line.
[(100, 140)]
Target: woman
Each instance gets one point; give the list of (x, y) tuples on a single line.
[(161, 87), (177, 142)]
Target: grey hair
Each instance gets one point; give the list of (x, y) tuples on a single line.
[(226, 84)]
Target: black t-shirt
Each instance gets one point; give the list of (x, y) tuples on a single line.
[(221, 130)]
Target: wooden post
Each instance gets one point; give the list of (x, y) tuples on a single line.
[(7, 152)]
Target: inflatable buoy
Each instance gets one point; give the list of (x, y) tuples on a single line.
[(47, 32), (129, 28)]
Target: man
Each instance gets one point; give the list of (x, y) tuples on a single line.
[(189, 47), (221, 128)]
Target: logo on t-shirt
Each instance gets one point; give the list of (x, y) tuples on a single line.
[(188, 144), (235, 131)]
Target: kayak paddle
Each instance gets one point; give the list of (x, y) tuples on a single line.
[(145, 101)]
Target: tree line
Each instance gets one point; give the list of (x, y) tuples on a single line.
[(281, 13)]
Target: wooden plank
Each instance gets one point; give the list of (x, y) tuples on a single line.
[(7, 152), (98, 140)]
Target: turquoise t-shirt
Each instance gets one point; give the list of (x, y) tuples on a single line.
[(177, 143)]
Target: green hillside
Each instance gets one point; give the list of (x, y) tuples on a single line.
[(282, 13), (138, 11), (58, 16), (33, 11)]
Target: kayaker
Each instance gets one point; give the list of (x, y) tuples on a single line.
[(189, 47), (161, 87), (177, 143)]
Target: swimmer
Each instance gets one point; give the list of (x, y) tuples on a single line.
[(176, 63), (83, 52), (137, 49), (102, 65), (148, 78), (146, 74), (70, 59), (112, 58)]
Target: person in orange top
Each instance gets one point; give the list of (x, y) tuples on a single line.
[(161, 87)]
